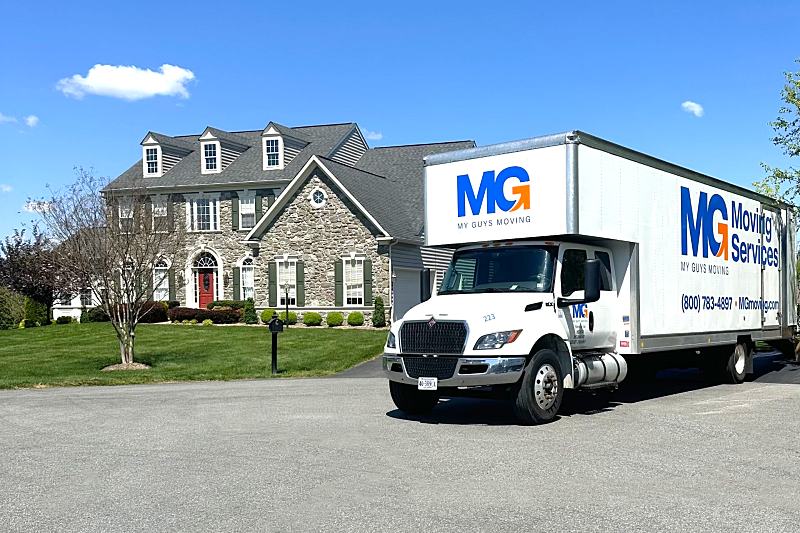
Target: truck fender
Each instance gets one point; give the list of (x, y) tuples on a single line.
[(554, 342)]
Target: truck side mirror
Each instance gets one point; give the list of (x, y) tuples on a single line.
[(425, 284), (591, 285), (591, 276)]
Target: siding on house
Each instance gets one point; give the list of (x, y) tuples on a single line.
[(351, 150)]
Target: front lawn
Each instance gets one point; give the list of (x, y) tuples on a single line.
[(73, 354)]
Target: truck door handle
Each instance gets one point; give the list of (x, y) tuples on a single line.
[(591, 320)]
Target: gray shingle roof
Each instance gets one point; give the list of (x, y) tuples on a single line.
[(247, 168), (404, 166)]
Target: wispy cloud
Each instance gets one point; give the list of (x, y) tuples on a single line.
[(6, 188), (693, 107), (36, 206), (373, 135), (128, 82), (30, 121)]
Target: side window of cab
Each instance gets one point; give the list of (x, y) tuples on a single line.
[(606, 280), (572, 271)]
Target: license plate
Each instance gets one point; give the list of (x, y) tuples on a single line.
[(427, 383)]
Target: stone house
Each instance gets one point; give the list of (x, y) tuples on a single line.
[(307, 214)]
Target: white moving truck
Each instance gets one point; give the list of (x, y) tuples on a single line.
[(573, 257)]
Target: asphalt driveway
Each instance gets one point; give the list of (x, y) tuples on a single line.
[(333, 455)]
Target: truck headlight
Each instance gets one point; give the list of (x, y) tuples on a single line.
[(497, 340), (391, 342)]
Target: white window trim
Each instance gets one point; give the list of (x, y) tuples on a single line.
[(292, 260), (127, 205), (159, 161), (163, 281), (350, 257), (314, 204), (218, 157), (279, 166), (214, 205), (248, 196), (189, 274), (159, 199), (242, 266)]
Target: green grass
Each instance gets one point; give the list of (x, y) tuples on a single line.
[(63, 355)]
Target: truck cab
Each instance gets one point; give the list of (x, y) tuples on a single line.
[(504, 308)]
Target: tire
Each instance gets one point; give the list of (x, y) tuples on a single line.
[(541, 391), (410, 400), (735, 362)]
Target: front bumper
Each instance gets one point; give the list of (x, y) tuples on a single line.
[(498, 371)]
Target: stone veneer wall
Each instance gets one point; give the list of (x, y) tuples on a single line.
[(316, 236)]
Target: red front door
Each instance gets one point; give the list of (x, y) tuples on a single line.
[(205, 284)]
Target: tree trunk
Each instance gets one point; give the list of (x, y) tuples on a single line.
[(126, 346)]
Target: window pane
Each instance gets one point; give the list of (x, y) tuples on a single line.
[(354, 281), (248, 282), (572, 266), (202, 215), (287, 274)]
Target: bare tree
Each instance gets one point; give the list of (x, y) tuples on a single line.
[(111, 242)]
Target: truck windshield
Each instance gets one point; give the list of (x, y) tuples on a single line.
[(508, 269)]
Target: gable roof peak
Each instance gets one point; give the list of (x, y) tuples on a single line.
[(158, 138), (285, 131)]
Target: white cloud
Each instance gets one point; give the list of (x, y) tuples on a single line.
[(693, 107), (31, 121), (36, 206), (128, 82), (6, 118), (373, 135), (6, 188)]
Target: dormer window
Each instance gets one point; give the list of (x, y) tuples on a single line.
[(273, 153), (211, 157), (151, 161)]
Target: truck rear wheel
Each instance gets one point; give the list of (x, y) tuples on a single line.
[(411, 400), (735, 363), (541, 391)]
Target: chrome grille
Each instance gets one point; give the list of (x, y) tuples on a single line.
[(431, 337), (430, 367)]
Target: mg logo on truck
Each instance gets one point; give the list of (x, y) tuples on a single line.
[(697, 225), (491, 193)]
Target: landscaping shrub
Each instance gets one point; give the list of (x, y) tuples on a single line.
[(153, 313), (379, 314), (173, 303), (25, 324), (266, 315), (217, 316), (36, 312), (185, 322), (64, 320), (231, 304), (312, 319), (355, 318), (208, 322), (292, 318), (12, 308), (193, 322), (334, 319), (95, 314), (249, 316)]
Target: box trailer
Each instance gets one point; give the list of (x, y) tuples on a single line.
[(573, 257)]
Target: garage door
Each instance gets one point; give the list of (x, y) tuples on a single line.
[(406, 291)]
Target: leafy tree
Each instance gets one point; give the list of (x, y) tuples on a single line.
[(27, 265), (785, 183), (378, 314), (250, 316)]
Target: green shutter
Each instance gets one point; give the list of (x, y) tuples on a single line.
[(235, 212), (258, 207), (114, 216), (148, 215), (301, 284), (338, 269), (367, 282), (170, 217), (172, 291), (237, 283), (273, 284)]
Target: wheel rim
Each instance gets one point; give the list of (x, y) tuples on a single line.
[(739, 357), (545, 387)]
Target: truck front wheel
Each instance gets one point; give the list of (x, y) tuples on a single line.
[(410, 400), (540, 392)]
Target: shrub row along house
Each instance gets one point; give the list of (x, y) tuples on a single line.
[(309, 216)]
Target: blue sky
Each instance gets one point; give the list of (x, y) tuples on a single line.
[(408, 72)]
